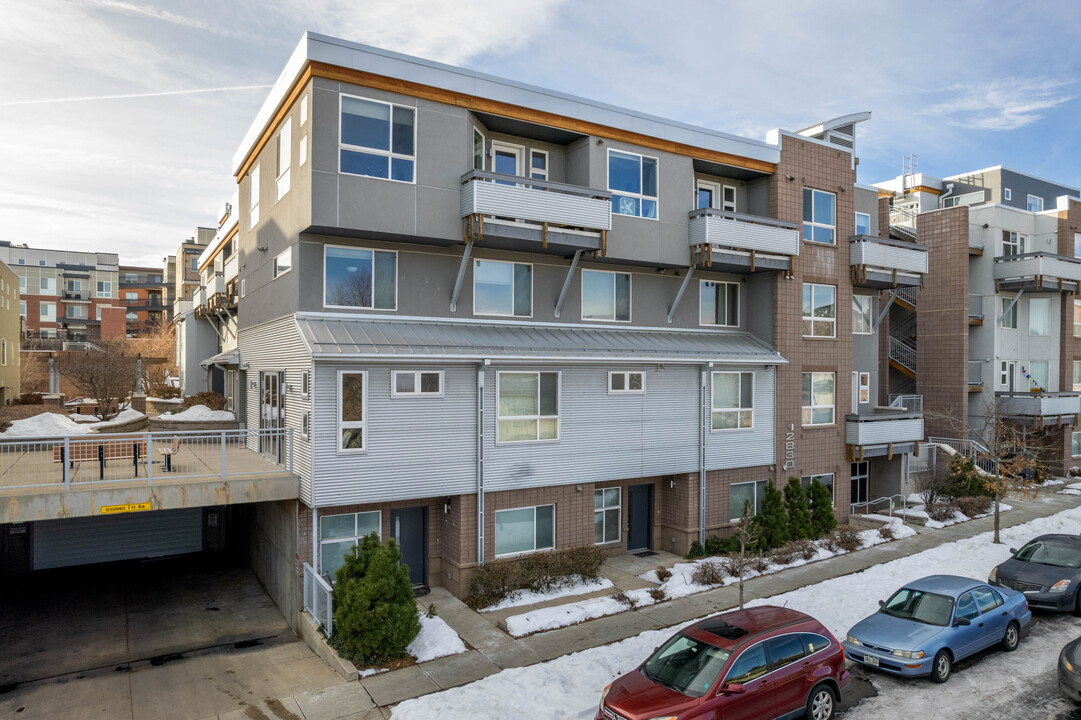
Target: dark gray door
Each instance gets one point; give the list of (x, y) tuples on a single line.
[(409, 528), (640, 517)]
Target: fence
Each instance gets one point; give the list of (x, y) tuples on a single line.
[(319, 599), (975, 306), (903, 353), (911, 403)]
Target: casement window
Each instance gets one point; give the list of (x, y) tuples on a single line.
[(1039, 371), (718, 303), (819, 310), (1035, 204), (1013, 244), (47, 311), (283, 263), (1075, 443), (378, 139), (525, 530), (253, 205), (22, 284), (305, 425), (1077, 375), (283, 148), (303, 109), (352, 411), (1006, 370), (1007, 194), (606, 515), (739, 494), (606, 296), (502, 288), (863, 224), (733, 400), (302, 151), (306, 383), (528, 405), (620, 381), (632, 178), (338, 534), (826, 480), (1009, 314), (478, 149), (861, 314), (863, 387), (47, 286), (360, 278), (1039, 316), (538, 164), (410, 383), (819, 216), (819, 392)]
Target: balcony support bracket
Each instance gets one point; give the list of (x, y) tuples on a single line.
[(461, 275), (214, 325), (882, 315), (1010, 306), (567, 282), (679, 295)]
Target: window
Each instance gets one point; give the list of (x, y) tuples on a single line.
[(305, 383), (131, 316), (41, 263), (1075, 443), (47, 334), (339, 533), (243, 287), (819, 310), (538, 164), (131, 297), (22, 284), (728, 198), (22, 309), (733, 400), (77, 285), (283, 147), (626, 382), (863, 224), (283, 263), (478, 150), (253, 204), (303, 109), (819, 216), (377, 139), (784, 650), (860, 472), (966, 607), (1039, 315), (359, 278), (1077, 245), (75, 311), (99, 312), (1035, 204), (412, 383), (1077, 318), (739, 494), (528, 405), (47, 311), (718, 303), (826, 480), (306, 424), (818, 398), (302, 154), (861, 314), (1006, 373), (3, 351), (749, 666), (606, 515), (606, 296), (1007, 194), (632, 178), (864, 385), (194, 263), (22, 261), (502, 288), (1038, 372), (1077, 375), (47, 285), (1009, 313), (525, 530), (706, 194), (352, 411), (1013, 244)]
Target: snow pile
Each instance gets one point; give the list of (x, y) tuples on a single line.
[(199, 413), (171, 401), (124, 416), (371, 671), (920, 511), (45, 425), (1052, 481), (530, 597), (1074, 489), (435, 640)]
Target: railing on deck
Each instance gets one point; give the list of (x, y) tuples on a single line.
[(891, 502), (911, 403), (975, 374), (319, 599)]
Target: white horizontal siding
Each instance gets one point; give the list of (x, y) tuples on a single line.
[(747, 448), (525, 203), (880, 432), (747, 236), (890, 257)]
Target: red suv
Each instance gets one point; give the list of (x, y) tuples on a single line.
[(762, 662)]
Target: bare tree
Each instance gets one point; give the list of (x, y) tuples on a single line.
[(109, 376), (747, 532), (157, 348)]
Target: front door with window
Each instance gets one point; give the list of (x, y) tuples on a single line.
[(272, 414), (507, 159), (409, 528), (639, 517)]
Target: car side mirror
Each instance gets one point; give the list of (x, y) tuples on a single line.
[(962, 621), (1013, 551), (731, 689), (882, 603)]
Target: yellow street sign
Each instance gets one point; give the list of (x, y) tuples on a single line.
[(130, 507)]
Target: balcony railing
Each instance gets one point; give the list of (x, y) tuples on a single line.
[(975, 374), (76, 295), (906, 294), (1039, 404), (232, 267), (908, 403), (975, 309), (880, 263), (215, 285), (903, 217), (740, 242), (884, 428), (319, 599), (1038, 271), (902, 353), (198, 298)]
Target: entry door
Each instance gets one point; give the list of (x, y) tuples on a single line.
[(859, 482), (409, 528), (640, 517), (272, 414), (507, 160)]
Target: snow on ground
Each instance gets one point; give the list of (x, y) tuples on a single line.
[(45, 425), (165, 400), (1074, 489), (529, 597), (569, 686), (199, 413), (436, 639), (920, 511), (124, 416), (1052, 481), (371, 671)]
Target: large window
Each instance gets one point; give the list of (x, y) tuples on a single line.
[(253, 203), (1077, 318), (352, 411), (606, 295), (606, 522), (632, 178), (359, 278), (733, 400), (47, 311), (528, 406), (1039, 370), (739, 494), (525, 530), (1013, 244), (502, 288), (283, 146), (718, 303), (426, 383), (22, 283), (826, 480), (47, 286), (283, 263), (861, 314), (863, 224), (819, 216), (1009, 313), (378, 139), (818, 398), (819, 310), (338, 534), (1039, 316), (1077, 375), (1035, 204)]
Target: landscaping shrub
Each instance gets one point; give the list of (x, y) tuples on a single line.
[(495, 581), (973, 505), (822, 519), (212, 400), (783, 555), (623, 598), (696, 551), (806, 549), (29, 399), (844, 537), (964, 479), (658, 594), (721, 546), (941, 512), (375, 613), (710, 572), (799, 516), (663, 574), (886, 532), (758, 563), (774, 520), (167, 392)]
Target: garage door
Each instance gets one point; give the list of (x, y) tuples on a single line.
[(105, 538)]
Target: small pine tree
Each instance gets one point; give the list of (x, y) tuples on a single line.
[(773, 519), (822, 519), (375, 613), (799, 517)]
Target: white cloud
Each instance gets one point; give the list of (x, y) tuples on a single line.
[(1006, 104)]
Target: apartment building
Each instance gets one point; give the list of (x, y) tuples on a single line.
[(10, 335), (996, 327), (146, 298), (499, 319)]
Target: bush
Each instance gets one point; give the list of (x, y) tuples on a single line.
[(623, 598), (806, 549), (657, 594), (783, 555), (696, 551), (964, 479), (799, 517), (822, 518), (166, 392), (774, 520), (710, 572), (941, 512), (721, 546), (375, 613), (212, 400), (758, 563), (886, 532), (844, 537), (543, 571), (663, 574), (973, 505)]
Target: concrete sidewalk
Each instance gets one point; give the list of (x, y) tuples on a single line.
[(495, 650)]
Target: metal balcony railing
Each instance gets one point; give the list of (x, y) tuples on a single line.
[(910, 403), (903, 217), (975, 373), (903, 353), (744, 232), (319, 599), (536, 201), (975, 306), (971, 449), (908, 294)]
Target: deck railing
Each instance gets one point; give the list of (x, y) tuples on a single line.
[(319, 599), (890, 502)]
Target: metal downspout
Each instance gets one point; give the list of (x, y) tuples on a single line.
[(480, 461), (703, 418)]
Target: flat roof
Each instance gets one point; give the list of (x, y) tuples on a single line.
[(1015, 172)]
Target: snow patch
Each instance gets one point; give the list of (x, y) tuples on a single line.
[(199, 413), (45, 425), (435, 640), (529, 597), (371, 671)]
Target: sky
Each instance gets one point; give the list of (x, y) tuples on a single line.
[(119, 118)]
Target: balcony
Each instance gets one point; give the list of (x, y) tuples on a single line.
[(975, 376), (198, 298), (232, 267), (1057, 408), (881, 263), (76, 270), (215, 285), (181, 306), (1037, 272), (516, 213), (975, 309), (885, 432), (740, 243), (76, 296)]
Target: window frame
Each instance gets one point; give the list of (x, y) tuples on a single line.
[(1009, 319), (603, 510), (306, 384), (254, 178), (1075, 443), (518, 553), (1076, 368), (626, 382), (812, 318), (389, 153), (1007, 194), (417, 392), (356, 537), (716, 283), (754, 505), (49, 317), (306, 424), (362, 424), (615, 295), (714, 190), (1029, 203), (104, 289), (738, 409), (806, 480), (1015, 241), (1007, 370), (538, 417), (1046, 367), (483, 149), (638, 196), (327, 305), (275, 270), (477, 261), (533, 152), (1044, 302), (857, 218), (812, 407), (283, 158), (813, 223), (867, 314), (863, 387), (3, 351)]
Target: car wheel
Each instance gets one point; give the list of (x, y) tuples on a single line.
[(1012, 637), (940, 668), (821, 703)]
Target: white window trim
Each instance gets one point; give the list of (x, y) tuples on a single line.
[(735, 198), (531, 169), (608, 184), (1076, 366), (1074, 434), (812, 317), (863, 385), (416, 383), (483, 149), (302, 151), (626, 382), (1043, 301), (715, 190), (306, 384), (814, 223), (1007, 370), (389, 154), (1005, 302), (538, 417), (1039, 202), (535, 548), (518, 151), (104, 289), (355, 538), (353, 424), (1018, 242), (615, 299), (857, 218), (812, 407), (605, 508), (503, 315), (754, 503), (740, 374), (286, 253), (283, 146), (358, 307), (306, 425), (719, 283), (303, 110), (253, 196), (1007, 194), (871, 314)]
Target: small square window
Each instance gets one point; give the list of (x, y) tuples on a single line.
[(626, 382), (1007, 194), (415, 383)]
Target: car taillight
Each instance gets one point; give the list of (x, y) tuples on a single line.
[(842, 654)]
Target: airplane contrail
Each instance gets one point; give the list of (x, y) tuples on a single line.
[(167, 93)]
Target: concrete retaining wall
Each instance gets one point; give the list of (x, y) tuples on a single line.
[(160, 424), (309, 633), (270, 549), (138, 425)]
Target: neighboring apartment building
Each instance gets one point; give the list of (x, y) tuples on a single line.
[(146, 298), (186, 262), (997, 330), (500, 319), (10, 335), (192, 342)]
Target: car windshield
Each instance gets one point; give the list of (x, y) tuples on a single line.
[(1050, 552), (920, 606), (688, 666)]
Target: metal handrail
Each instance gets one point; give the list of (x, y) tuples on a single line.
[(1038, 254), (319, 599), (972, 449), (975, 373), (904, 244), (903, 353), (886, 498), (743, 217), (912, 403), (975, 306), (485, 175), (908, 294)]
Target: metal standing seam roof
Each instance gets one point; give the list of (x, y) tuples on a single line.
[(397, 338), (229, 357)]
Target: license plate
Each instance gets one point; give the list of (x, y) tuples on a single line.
[(871, 660)]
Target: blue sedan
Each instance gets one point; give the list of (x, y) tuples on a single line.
[(933, 622)]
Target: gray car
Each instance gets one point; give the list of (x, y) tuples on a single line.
[(1047, 570)]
